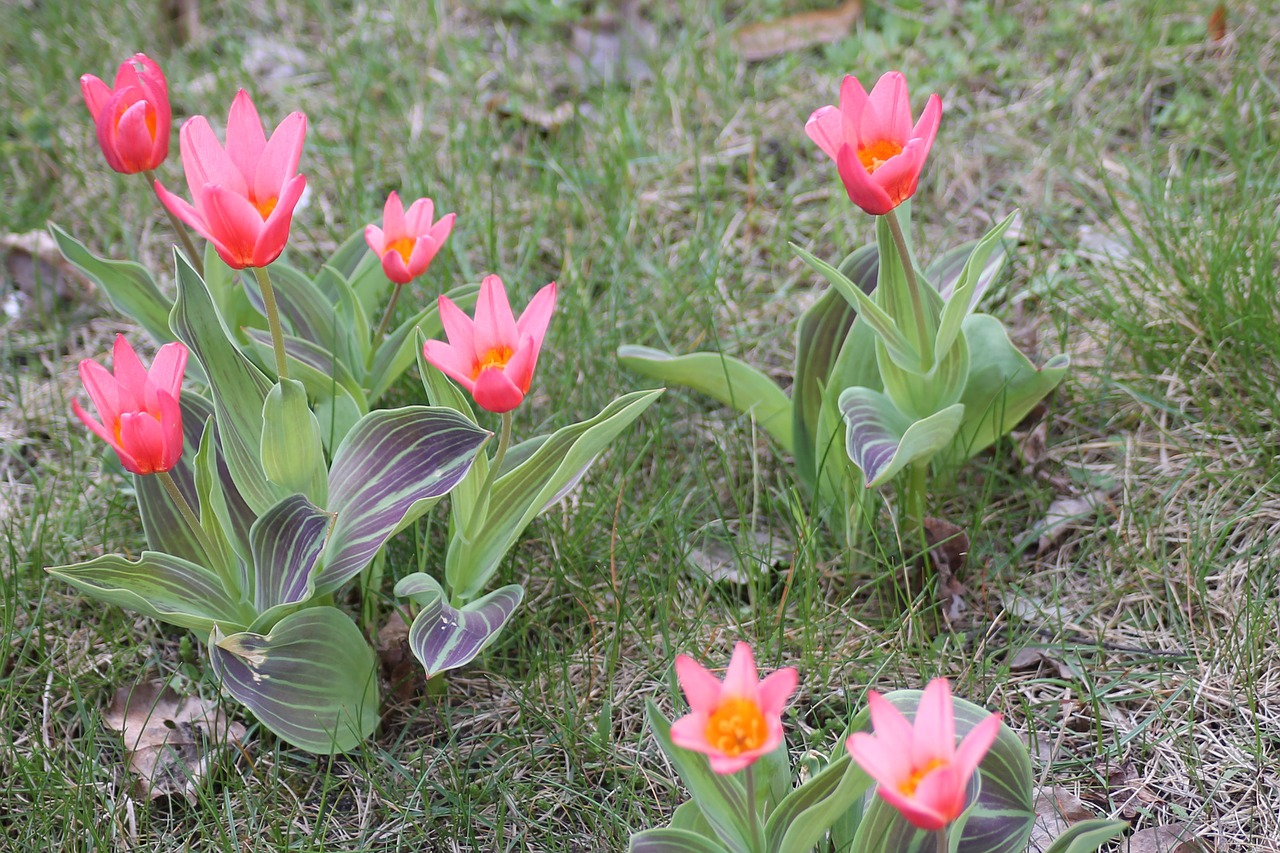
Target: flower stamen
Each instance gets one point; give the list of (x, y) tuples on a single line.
[(876, 154), (736, 726)]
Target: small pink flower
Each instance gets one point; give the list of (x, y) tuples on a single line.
[(244, 194), (878, 153), (407, 241), (494, 356), (139, 407), (735, 722), (133, 117), (918, 770)]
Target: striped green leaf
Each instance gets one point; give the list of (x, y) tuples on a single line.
[(882, 441), (292, 450), (1087, 836), (312, 680), (443, 637), (805, 815), (673, 841), (396, 353), (286, 543)]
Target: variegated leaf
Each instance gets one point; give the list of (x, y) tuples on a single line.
[(882, 441), (443, 637), (673, 841), (287, 542)]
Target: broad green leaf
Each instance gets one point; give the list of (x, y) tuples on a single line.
[(673, 841), (390, 469), (241, 387), (944, 271), (304, 310), (728, 380), (527, 491), (882, 441), (396, 353), (961, 303), (292, 451), (919, 395), (312, 365), (881, 323), (370, 284), (227, 289), (312, 680), (690, 818), (1087, 836), (803, 818), (884, 830), (1003, 386), (337, 415), (211, 509), (128, 285), (464, 499), (286, 542), (443, 637), (354, 349), (894, 295), (720, 797), (161, 586)]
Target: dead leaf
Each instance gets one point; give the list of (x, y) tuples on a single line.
[(723, 553), (1062, 515), (1027, 660), (1056, 809), (1171, 838), (1033, 445), (611, 48), (548, 121), (948, 549), (170, 740), (1032, 608), (401, 669), (1216, 27), (796, 32), (36, 273), (1126, 788)]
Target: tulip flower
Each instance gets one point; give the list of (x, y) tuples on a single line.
[(244, 195), (138, 407), (878, 153), (408, 240), (736, 721), (918, 769), (494, 356), (133, 117)]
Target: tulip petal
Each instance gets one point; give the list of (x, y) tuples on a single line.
[(934, 733), (171, 430), (128, 369), (826, 127), (777, 689), (862, 190), (495, 392), (741, 679), (884, 761), (233, 221), (168, 367), (889, 723), (942, 792), (109, 397), (537, 316), (459, 329), (424, 252), (927, 127), (205, 162), (975, 745), (899, 174), (374, 237), (520, 367), (182, 209), (96, 94), (393, 219), (275, 231), (280, 158), (134, 143), (142, 438), (418, 219), (853, 105), (393, 267), (916, 813), (690, 731), (245, 140), (94, 426), (495, 325), (451, 361), (701, 688), (889, 116)]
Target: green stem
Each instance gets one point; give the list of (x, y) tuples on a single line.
[(180, 229), (273, 320), (749, 779), (913, 286), (386, 315), (941, 836), (188, 514), (913, 528), (481, 508)]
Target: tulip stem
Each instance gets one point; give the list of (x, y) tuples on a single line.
[(943, 846), (917, 485), (749, 780), (480, 510), (386, 315), (273, 320), (188, 514), (180, 229), (913, 287)]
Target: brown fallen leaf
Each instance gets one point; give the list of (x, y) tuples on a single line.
[(401, 669), (948, 549), (1026, 660), (1171, 838), (723, 553), (1056, 809), (170, 740), (1063, 514), (1125, 787), (796, 32)]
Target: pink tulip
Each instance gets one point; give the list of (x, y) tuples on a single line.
[(139, 407), (132, 118), (877, 151), (918, 770), (244, 195), (494, 356), (735, 722), (407, 241)]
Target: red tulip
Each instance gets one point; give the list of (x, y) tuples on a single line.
[(877, 151), (918, 769), (493, 357), (736, 721), (139, 407), (132, 118), (407, 241), (244, 194)]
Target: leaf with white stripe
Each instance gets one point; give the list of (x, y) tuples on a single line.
[(286, 544), (388, 470), (313, 680), (673, 841), (882, 441), (443, 637)]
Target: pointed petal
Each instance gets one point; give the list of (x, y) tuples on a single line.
[(96, 94), (134, 143), (376, 239), (690, 732), (279, 160), (96, 428), (394, 268), (883, 761), (167, 369), (449, 361), (900, 174), (128, 368), (826, 127), (741, 678), (441, 230), (863, 191), (890, 113), (245, 140), (974, 747), (495, 326), (701, 688), (171, 428), (495, 392), (109, 397), (934, 733), (853, 104), (142, 438), (275, 231), (926, 128), (727, 764), (424, 252), (180, 208), (916, 813), (521, 366), (941, 793), (418, 217), (777, 689), (204, 160), (458, 328), (234, 223), (537, 316)]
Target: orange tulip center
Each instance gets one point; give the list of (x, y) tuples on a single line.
[(873, 156), (404, 246), (736, 726), (908, 786), (265, 207), (497, 357)]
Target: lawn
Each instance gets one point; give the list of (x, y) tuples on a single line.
[(659, 181)]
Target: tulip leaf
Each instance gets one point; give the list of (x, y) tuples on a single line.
[(211, 504), (394, 355), (304, 310), (443, 637), (464, 499), (673, 841), (292, 450), (719, 796), (128, 285), (1003, 385), (919, 395), (312, 680), (286, 542), (227, 289), (1087, 836), (690, 818), (882, 441), (529, 490), (349, 256), (242, 387), (354, 350), (961, 303), (166, 528), (894, 295), (312, 365), (161, 586), (728, 380), (804, 816), (944, 271), (1000, 815), (390, 469)]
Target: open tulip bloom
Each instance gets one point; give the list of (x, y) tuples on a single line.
[(132, 117), (408, 239), (244, 194), (139, 409)]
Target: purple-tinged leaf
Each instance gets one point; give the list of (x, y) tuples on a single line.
[(313, 680), (287, 543), (668, 840), (385, 473), (881, 441), (443, 637), (161, 586)]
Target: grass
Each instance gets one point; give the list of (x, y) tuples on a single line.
[(1143, 157)]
